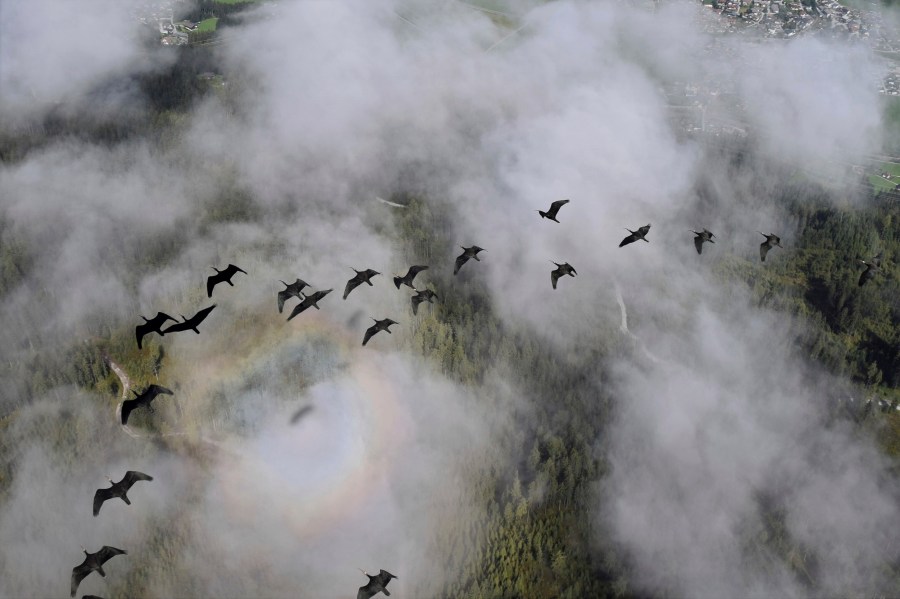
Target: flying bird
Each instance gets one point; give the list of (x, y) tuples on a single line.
[(90, 597), (362, 276), (294, 289), (471, 252), (380, 325), (422, 295), (871, 269), (190, 324), (220, 276), (300, 414), (771, 241), (701, 236), (554, 208), (142, 400), (407, 279), (377, 584), (561, 270), (93, 562), (119, 489), (154, 325), (641, 233), (309, 300)]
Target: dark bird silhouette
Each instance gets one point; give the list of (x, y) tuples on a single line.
[(554, 208), (362, 276), (380, 325), (119, 489), (142, 400), (154, 325), (422, 295), (641, 233), (407, 279), (701, 236), (561, 270), (377, 584), (771, 241), (90, 597), (93, 562), (471, 252), (220, 276), (871, 270), (190, 324), (309, 300), (300, 414), (294, 289)]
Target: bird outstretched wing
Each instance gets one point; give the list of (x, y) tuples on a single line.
[(212, 281), (141, 330), (132, 476), (99, 497), (78, 574), (630, 239), (154, 390), (106, 553), (698, 243), (283, 296), (459, 262), (555, 206), (299, 308), (416, 300), (127, 408), (554, 276), (352, 284), (369, 332), (763, 250)]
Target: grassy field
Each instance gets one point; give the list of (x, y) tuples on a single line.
[(207, 25), (879, 182)]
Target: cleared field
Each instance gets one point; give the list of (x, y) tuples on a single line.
[(879, 182), (207, 25)]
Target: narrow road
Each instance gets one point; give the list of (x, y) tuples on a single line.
[(624, 325)]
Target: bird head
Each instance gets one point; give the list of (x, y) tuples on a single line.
[(109, 479), (363, 571), (83, 549), (390, 322), (478, 249)]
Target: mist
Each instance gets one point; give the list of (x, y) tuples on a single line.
[(489, 116)]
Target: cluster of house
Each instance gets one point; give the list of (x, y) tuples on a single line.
[(890, 85), (786, 18)]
